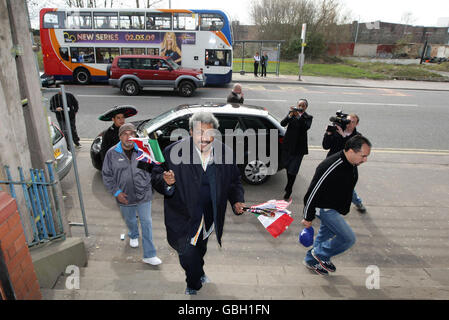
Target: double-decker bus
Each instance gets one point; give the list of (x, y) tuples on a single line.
[(77, 45)]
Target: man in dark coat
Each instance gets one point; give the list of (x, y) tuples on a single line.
[(56, 106), (295, 144), (195, 205), (236, 95)]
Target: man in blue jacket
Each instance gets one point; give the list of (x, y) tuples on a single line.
[(206, 177), (131, 188)]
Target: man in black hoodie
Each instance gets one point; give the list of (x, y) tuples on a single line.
[(329, 198), (57, 107)]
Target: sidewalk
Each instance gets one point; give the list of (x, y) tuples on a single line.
[(343, 82), (403, 234)]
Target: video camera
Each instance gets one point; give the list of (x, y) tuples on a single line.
[(341, 120)]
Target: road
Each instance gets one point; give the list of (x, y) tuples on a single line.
[(391, 118)]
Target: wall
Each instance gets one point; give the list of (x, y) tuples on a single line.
[(15, 251)]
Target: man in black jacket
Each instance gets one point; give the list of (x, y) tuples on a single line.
[(56, 106), (335, 142), (295, 144), (329, 198), (110, 136), (195, 205), (236, 95)]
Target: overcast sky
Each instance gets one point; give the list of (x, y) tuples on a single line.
[(423, 12)]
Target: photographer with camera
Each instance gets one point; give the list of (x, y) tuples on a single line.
[(295, 144), (342, 129)]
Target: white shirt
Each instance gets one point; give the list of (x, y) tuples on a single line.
[(257, 58)]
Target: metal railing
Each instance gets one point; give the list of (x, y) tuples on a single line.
[(46, 221)]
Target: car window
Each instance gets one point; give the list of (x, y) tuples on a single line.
[(181, 123), (125, 63), (55, 134), (258, 123), (227, 122)]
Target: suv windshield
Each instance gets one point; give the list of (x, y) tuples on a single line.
[(172, 64)]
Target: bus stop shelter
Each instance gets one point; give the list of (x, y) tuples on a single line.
[(244, 51)]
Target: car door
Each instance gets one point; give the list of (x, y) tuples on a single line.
[(165, 76), (143, 70)]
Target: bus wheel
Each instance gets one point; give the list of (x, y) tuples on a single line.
[(186, 89), (130, 88), (82, 76)]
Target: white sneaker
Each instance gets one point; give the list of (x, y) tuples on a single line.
[(134, 243), (153, 261)]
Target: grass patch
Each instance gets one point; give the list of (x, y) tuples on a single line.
[(351, 69)]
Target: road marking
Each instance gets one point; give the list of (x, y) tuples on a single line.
[(112, 96), (379, 150), (246, 99), (375, 104), (397, 150)]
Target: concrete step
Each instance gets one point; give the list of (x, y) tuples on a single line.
[(135, 280)]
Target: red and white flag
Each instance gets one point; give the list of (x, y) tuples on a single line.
[(277, 224)]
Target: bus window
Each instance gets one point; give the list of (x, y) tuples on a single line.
[(64, 53), (54, 20), (158, 21), (211, 22), (185, 21), (106, 55), (133, 50), (105, 20), (132, 20), (79, 20), (82, 54), (153, 51), (220, 58)]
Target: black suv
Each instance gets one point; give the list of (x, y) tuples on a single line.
[(230, 116)]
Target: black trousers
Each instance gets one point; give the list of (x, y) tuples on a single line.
[(263, 73), (256, 68), (62, 126), (192, 261)]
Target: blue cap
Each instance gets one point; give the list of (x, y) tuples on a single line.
[(306, 237)]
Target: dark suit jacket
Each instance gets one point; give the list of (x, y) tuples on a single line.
[(295, 140), (180, 205), (232, 98)]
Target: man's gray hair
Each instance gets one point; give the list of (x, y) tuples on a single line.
[(203, 117)]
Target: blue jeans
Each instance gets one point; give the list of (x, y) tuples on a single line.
[(334, 237), (355, 198), (144, 212)]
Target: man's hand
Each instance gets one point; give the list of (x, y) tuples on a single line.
[(340, 131), (122, 198), (306, 223), (59, 109), (238, 208), (169, 177)]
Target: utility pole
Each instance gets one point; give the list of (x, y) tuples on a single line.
[(303, 44)]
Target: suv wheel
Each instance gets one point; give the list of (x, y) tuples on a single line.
[(82, 76), (130, 88), (186, 89), (255, 172)]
